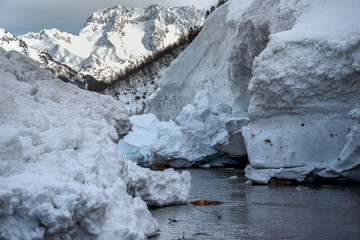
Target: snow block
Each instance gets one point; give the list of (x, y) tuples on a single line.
[(201, 132), (304, 83)]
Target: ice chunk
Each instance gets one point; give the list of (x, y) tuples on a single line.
[(201, 133)]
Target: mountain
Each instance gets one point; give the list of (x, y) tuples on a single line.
[(9, 41), (117, 37)]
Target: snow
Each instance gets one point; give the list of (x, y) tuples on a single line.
[(298, 62), (135, 38), (133, 90), (304, 84), (196, 138), (116, 37), (9, 42), (61, 174), (345, 165), (216, 61)]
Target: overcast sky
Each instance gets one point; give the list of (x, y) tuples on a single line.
[(23, 16)]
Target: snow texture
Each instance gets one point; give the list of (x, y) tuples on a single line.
[(61, 174), (346, 165), (304, 84), (200, 132), (298, 62)]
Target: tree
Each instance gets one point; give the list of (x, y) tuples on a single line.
[(220, 2), (207, 14)]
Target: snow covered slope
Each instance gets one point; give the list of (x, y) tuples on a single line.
[(116, 37), (61, 175), (9, 41), (300, 62)]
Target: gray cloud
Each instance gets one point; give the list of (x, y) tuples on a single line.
[(22, 16)]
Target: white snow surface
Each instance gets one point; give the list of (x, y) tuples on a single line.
[(9, 42), (61, 175), (199, 133), (117, 37), (299, 63)]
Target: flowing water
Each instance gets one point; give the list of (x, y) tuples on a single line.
[(261, 212)]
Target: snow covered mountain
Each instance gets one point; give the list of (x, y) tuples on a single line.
[(9, 41), (116, 37)]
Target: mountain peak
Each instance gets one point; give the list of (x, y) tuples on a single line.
[(116, 37)]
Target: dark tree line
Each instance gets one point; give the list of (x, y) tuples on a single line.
[(146, 61), (208, 12)]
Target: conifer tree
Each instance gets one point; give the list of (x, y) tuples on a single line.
[(207, 14)]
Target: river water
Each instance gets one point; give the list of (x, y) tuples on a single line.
[(261, 212)]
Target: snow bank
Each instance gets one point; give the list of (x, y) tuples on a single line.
[(200, 132), (61, 175), (298, 62), (304, 84), (220, 59)]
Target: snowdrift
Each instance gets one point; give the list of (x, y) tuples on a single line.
[(61, 175), (299, 63)]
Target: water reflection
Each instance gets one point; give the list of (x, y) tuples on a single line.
[(261, 212)]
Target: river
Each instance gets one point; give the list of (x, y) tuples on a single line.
[(260, 212)]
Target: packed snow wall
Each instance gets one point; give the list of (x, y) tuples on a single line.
[(220, 58), (298, 62), (304, 84), (61, 174)]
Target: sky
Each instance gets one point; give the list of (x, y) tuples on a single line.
[(23, 16)]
